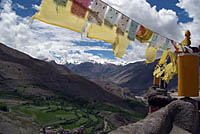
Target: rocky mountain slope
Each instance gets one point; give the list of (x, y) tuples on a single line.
[(18, 69), (136, 77), (38, 94)]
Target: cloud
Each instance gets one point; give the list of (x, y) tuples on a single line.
[(20, 6), (36, 7), (192, 7)]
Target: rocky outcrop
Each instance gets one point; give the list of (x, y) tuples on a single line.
[(12, 124), (178, 116)]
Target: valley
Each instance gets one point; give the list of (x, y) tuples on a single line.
[(39, 96), (56, 112)]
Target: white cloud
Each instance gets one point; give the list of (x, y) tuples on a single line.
[(20, 6), (36, 7), (192, 7)]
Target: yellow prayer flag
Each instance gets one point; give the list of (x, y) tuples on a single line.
[(120, 45), (157, 72), (169, 72), (163, 57), (151, 54), (61, 16), (144, 34), (174, 59), (102, 33)]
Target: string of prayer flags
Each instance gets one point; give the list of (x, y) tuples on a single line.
[(120, 45), (150, 54), (80, 7), (102, 33), (144, 34), (111, 17), (61, 16), (97, 13), (132, 30), (123, 23), (108, 25)]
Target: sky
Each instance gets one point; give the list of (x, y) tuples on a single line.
[(169, 18)]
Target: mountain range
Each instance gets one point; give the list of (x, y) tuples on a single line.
[(136, 77), (20, 70), (41, 94)]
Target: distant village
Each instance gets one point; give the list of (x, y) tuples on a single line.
[(52, 130)]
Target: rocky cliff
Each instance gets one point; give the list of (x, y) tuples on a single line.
[(178, 117)]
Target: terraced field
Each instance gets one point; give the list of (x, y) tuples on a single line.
[(65, 112)]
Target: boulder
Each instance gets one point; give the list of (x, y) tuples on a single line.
[(178, 116)]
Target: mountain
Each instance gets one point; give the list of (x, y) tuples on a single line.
[(20, 70), (136, 77), (36, 95)]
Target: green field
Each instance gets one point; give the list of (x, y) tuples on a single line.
[(68, 113)]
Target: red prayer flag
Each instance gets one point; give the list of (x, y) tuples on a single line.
[(78, 10), (79, 7), (139, 32), (84, 3)]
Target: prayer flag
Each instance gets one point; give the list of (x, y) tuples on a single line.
[(144, 34), (169, 72), (55, 14), (123, 23), (132, 30), (166, 44), (111, 17), (97, 13), (151, 54), (101, 33), (78, 10), (157, 40), (154, 40), (84, 3), (60, 2), (80, 7), (173, 59), (120, 45), (163, 58), (162, 40)]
